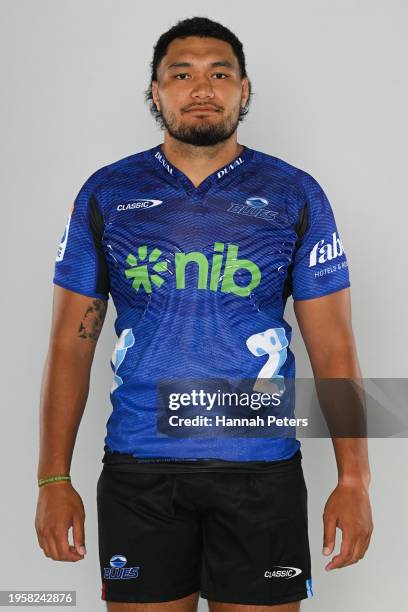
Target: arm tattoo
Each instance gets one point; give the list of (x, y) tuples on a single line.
[(93, 319)]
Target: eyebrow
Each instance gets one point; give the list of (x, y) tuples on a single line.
[(224, 63)]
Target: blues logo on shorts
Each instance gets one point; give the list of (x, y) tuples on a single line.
[(118, 571)]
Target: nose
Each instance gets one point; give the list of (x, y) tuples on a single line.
[(202, 89)]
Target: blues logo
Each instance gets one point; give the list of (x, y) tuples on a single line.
[(254, 207), (118, 571)]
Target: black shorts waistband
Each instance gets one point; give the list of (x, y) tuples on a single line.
[(128, 463)]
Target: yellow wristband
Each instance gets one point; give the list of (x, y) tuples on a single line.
[(44, 481)]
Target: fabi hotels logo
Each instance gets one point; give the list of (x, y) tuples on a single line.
[(147, 268), (324, 251)]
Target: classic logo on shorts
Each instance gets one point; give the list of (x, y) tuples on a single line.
[(118, 571), (281, 571)]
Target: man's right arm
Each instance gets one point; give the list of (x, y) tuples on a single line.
[(77, 321)]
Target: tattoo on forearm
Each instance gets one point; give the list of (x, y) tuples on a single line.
[(92, 321)]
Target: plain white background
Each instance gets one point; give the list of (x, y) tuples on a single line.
[(330, 97)]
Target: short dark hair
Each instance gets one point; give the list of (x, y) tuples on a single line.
[(205, 28)]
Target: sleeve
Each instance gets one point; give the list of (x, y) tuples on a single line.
[(319, 265), (80, 264)]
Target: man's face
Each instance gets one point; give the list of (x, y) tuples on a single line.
[(199, 91)]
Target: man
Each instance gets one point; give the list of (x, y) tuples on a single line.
[(200, 241)]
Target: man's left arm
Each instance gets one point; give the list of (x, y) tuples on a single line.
[(326, 327)]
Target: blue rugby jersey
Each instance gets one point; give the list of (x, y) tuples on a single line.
[(199, 277)]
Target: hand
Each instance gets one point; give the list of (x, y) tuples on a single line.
[(59, 507), (348, 508)]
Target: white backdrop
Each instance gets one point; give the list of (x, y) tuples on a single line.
[(330, 97)]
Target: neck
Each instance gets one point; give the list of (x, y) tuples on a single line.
[(199, 162)]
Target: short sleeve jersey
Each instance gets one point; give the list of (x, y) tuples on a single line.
[(199, 277)]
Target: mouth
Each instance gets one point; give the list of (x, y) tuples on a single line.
[(203, 110)]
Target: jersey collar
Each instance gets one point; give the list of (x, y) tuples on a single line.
[(220, 176)]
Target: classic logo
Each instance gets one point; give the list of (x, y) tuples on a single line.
[(326, 251), (253, 207), (118, 571), (139, 204), (282, 571), (146, 270)]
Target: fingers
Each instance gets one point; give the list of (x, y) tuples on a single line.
[(79, 534), (56, 546), (353, 548), (345, 555), (362, 544), (58, 509), (54, 542), (329, 535)]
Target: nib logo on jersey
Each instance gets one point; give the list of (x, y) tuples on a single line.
[(146, 270), (118, 571)]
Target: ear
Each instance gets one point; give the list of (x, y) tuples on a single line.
[(245, 92), (155, 94)]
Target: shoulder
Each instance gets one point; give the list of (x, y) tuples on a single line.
[(115, 172), (301, 181)]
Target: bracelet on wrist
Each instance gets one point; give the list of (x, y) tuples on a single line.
[(49, 479)]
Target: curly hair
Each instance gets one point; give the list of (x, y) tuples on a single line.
[(205, 28)]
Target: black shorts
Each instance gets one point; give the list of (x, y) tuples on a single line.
[(235, 536)]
